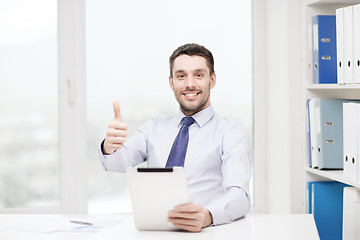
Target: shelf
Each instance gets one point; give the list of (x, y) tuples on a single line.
[(334, 91), (326, 91), (335, 175), (325, 2), (333, 86)]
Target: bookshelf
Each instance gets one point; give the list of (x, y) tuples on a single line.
[(334, 175), (348, 91), (332, 91)]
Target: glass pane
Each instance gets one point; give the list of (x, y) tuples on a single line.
[(128, 48), (29, 168)]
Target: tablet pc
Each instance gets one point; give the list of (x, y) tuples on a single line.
[(154, 192)]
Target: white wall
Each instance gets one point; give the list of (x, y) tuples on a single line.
[(280, 106), (277, 121)]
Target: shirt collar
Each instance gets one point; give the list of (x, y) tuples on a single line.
[(201, 117)]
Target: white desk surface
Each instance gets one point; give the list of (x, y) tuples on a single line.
[(253, 226)]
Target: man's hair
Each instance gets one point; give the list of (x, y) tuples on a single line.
[(192, 49)]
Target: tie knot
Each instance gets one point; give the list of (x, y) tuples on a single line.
[(187, 121)]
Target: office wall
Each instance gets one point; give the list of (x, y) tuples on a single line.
[(281, 149)]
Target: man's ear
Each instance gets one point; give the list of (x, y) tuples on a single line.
[(212, 80), (171, 83)]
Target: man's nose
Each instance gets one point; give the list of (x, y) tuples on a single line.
[(190, 81)]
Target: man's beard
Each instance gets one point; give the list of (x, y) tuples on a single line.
[(194, 108)]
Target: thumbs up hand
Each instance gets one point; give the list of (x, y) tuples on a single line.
[(116, 133)]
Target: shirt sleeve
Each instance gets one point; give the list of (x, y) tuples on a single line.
[(234, 203), (133, 152)]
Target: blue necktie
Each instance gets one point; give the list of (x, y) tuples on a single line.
[(179, 147)]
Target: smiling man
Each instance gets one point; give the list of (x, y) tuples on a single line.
[(216, 153), (191, 80)]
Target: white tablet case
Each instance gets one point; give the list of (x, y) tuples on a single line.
[(154, 192)]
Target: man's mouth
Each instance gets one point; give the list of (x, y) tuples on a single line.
[(191, 95)]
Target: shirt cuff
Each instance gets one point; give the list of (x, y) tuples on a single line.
[(233, 205), (218, 216), (104, 158)]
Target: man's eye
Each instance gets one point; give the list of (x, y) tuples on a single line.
[(199, 75), (181, 76)]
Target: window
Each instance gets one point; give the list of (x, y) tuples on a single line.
[(42, 109), (29, 163), (128, 46)]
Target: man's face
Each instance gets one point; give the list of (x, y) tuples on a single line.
[(191, 83)]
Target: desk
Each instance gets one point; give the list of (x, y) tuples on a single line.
[(252, 227)]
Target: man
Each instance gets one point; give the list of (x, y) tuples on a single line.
[(217, 162)]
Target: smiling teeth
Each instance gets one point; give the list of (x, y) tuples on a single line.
[(190, 94)]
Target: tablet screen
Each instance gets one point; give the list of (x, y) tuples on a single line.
[(154, 192)]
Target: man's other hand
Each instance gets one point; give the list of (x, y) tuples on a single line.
[(116, 133), (190, 217)]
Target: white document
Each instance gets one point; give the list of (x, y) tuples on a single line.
[(91, 224), (340, 44), (313, 134), (346, 139), (350, 140), (354, 142), (356, 27), (350, 213), (348, 45)]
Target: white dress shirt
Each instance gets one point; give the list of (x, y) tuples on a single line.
[(217, 162)]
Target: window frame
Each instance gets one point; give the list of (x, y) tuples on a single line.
[(72, 106)]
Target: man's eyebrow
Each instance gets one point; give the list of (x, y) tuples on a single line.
[(200, 70), (195, 70), (179, 71)]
